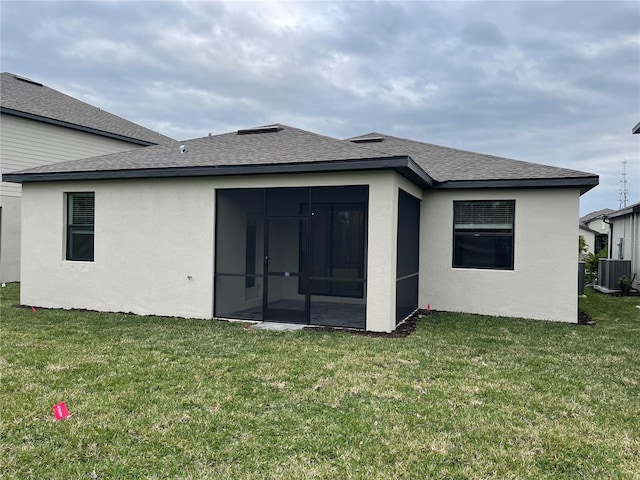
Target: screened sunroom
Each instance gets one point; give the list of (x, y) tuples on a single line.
[(295, 255)]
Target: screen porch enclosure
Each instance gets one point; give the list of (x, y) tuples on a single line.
[(295, 255)]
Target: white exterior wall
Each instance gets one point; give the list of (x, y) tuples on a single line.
[(154, 248), (589, 238), (26, 144), (544, 282), (151, 235)]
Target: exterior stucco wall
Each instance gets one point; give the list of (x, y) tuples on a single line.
[(598, 225), (155, 244), (152, 235), (26, 144), (543, 284), (589, 238)]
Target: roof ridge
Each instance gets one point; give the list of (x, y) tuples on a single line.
[(454, 149)]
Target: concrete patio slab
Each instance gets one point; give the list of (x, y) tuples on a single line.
[(280, 327)]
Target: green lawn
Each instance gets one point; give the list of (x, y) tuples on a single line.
[(463, 397)]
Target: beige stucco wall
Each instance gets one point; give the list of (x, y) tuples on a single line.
[(26, 144), (152, 235), (589, 238), (154, 248), (543, 284)]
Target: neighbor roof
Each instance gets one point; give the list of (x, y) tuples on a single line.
[(593, 215), (282, 149), (634, 208), (27, 98)]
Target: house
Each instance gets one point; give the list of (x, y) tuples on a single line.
[(625, 239), (39, 126), (281, 224), (595, 230)]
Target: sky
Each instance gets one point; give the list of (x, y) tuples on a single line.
[(556, 83)]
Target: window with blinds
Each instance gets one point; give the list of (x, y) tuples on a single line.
[(483, 234), (80, 226)]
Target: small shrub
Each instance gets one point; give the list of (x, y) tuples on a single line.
[(625, 285), (591, 264)]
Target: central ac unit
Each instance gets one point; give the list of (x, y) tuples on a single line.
[(610, 272)]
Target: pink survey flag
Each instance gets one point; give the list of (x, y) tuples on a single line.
[(60, 411)]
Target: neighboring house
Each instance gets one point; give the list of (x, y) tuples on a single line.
[(39, 126), (595, 230), (625, 238), (276, 223)]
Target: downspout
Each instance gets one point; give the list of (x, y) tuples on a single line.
[(610, 235)]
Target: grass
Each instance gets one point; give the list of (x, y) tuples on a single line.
[(463, 397)]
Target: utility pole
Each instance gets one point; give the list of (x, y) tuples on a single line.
[(623, 193)]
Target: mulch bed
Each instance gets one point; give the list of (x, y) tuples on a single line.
[(405, 329), (584, 319)]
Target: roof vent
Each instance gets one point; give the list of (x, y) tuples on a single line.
[(183, 149), (27, 80), (367, 140), (265, 129)]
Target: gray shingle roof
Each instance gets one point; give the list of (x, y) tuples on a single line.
[(287, 149), (25, 97), (287, 145), (590, 216), (445, 164)]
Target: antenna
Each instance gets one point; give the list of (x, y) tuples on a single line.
[(623, 193)]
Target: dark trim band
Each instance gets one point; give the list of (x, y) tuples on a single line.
[(73, 126)]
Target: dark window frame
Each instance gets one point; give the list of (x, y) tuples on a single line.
[(498, 240), (78, 226)]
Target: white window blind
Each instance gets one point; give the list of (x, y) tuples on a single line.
[(483, 215), (82, 209)]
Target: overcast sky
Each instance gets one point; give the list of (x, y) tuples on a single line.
[(555, 83)]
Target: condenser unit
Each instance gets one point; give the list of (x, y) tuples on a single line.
[(610, 271)]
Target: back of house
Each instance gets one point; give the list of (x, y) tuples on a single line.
[(275, 223)]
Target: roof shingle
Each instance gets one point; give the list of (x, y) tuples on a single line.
[(445, 164), (299, 150), (24, 97)]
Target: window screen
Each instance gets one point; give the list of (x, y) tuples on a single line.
[(483, 234), (80, 225)]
